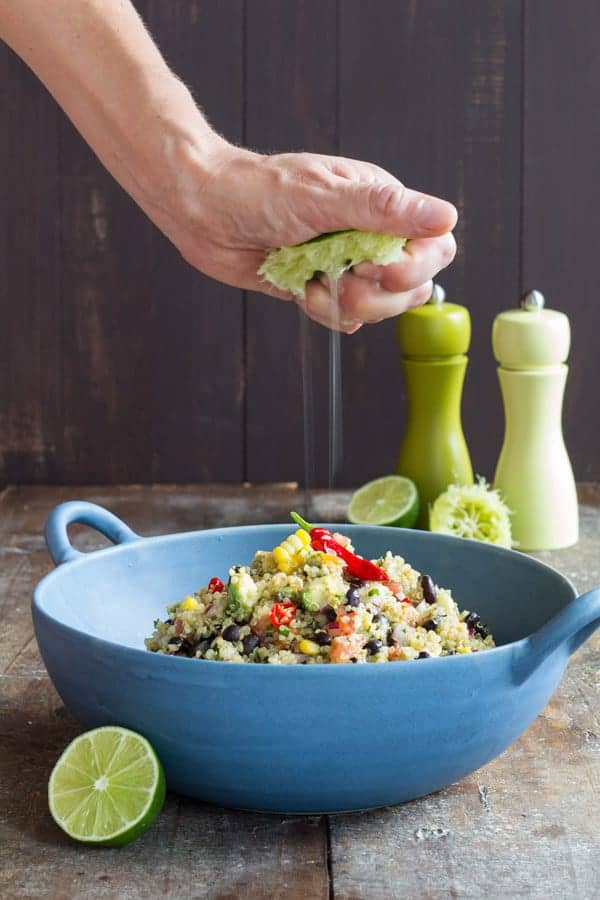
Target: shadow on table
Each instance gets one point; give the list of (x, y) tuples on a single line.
[(35, 730)]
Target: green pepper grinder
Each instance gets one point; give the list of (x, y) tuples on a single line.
[(534, 472), (433, 341)]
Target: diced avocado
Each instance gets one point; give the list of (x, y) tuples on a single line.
[(263, 562), (242, 594), (316, 595)]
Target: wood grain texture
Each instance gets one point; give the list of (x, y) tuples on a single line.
[(30, 300), (290, 105), (526, 825), (431, 91), (562, 196), (118, 362), (144, 334)]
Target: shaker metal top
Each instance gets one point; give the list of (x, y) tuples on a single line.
[(533, 300)]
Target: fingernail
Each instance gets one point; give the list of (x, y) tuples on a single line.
[(427, 213), (354, 328)]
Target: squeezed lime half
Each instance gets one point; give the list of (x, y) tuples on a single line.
[(107, 788), (289, 268), (474, 511), (390, 500)]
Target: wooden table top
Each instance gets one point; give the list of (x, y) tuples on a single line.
[(525, 825)]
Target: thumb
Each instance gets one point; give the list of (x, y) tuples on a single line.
[(390, 207)]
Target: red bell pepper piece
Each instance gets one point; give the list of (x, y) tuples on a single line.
[(282, 613), (215, 585), (322, 539)]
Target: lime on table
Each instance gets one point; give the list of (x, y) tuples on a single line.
[(107, 788), (474, 511), (391, 500)]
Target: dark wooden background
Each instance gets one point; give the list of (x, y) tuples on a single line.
[(119, 363)]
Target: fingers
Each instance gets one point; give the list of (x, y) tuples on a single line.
[(359, 301), (421, 261), (366, 197), (392, 208)]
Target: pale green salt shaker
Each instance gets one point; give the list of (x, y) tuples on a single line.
[(534, 473)]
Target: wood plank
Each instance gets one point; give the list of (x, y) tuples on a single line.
[(525, 825), (290, 105), (192, 850), (562, 195), (144, 332), (30, 342), (430, 91)]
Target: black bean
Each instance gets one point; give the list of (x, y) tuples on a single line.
[(322, 638), (373, 646), (428, 587), (174, 643), (482, 630), (231, 633), (472, 620), (329, 613), (382, 620), (423, 655), (352, 598), (357, 582), (203, 645), (250, 643), (431, 624)]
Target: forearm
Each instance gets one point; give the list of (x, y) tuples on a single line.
[(101, 65), (220, 205)]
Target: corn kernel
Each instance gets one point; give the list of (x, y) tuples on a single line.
[(282, 559), (189, 603), (310, 648), (331, 558), (304, 537)]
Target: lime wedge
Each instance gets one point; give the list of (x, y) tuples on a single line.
[(107, 788), (289, 268), (391, 500), (473, 511)]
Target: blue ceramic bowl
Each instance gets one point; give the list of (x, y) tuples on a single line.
[(301, 739)]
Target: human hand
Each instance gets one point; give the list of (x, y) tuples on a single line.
[(223, 207), (229, 212)]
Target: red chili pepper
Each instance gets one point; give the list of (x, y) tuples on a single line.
[(215, 585), (322, 539), (282, 613)]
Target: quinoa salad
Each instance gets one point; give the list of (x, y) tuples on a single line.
[(312, 599)]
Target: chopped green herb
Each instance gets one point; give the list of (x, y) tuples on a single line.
[(373, 592), (283, 630)]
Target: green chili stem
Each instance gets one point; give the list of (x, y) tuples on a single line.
[(301, 522)]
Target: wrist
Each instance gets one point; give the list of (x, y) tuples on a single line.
[(168, 141)]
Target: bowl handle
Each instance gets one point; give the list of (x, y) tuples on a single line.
[(570, 628), (57, 539)]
